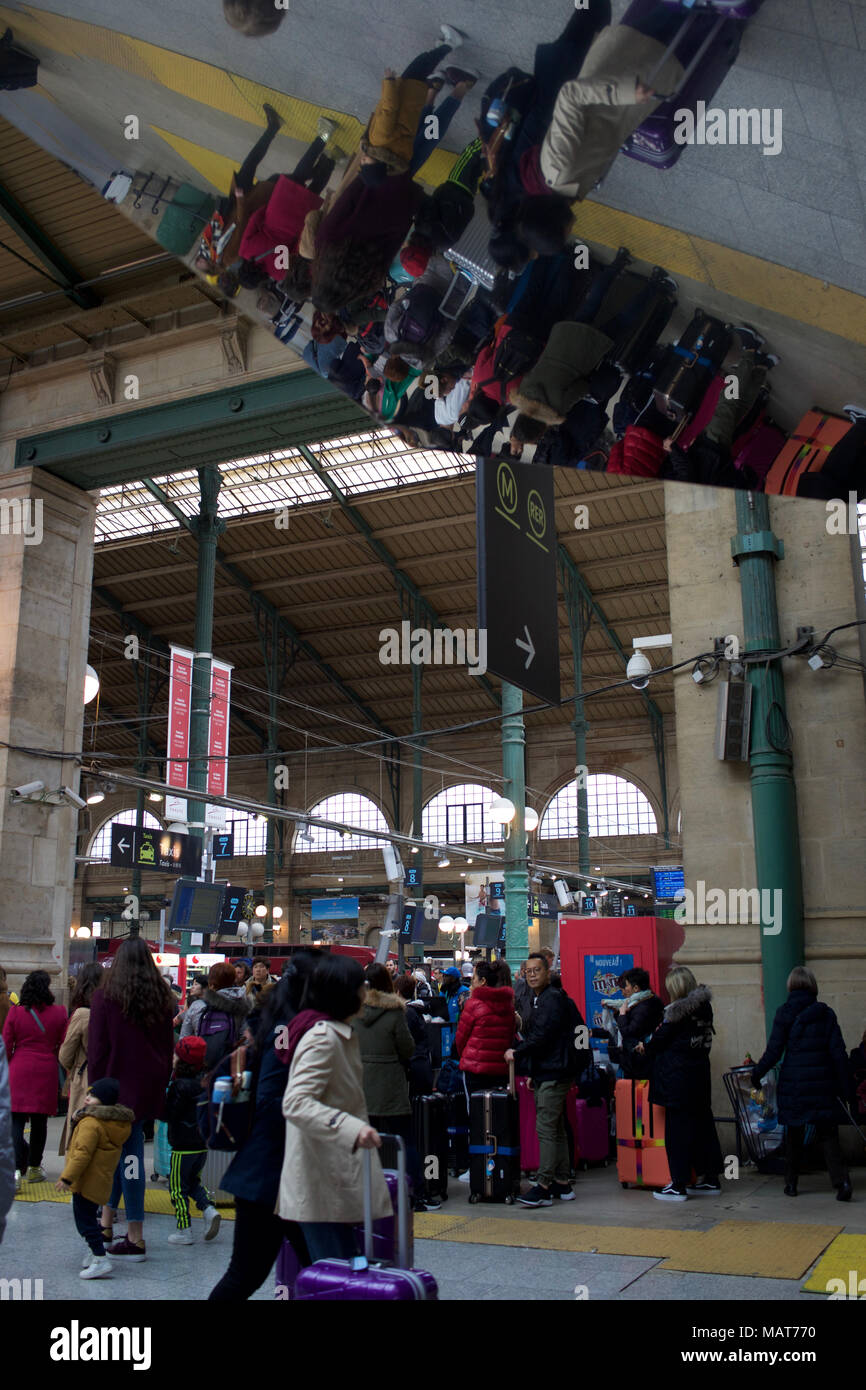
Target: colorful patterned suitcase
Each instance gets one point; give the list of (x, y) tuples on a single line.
[(640, 1137), (707, 46), (806, 451), (362, 1279)]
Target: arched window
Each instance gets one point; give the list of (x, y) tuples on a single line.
[(352, 809), (100, 845), (250, 832), (460, 816), (616, 807)]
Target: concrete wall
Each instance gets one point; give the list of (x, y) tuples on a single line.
[(815, 585)]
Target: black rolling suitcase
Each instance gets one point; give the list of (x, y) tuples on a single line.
[(494, 1146), (634, 342), (689, 365), (457, 1124), (429, 1119)]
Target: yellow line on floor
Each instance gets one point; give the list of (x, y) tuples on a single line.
[(156, 1200), (845, 1259), (803, 298)]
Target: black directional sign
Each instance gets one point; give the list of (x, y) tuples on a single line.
[(155, 849), (234, 901), (517, 594), (224, 845)]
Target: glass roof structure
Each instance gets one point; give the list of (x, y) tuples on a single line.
[(375, 461)]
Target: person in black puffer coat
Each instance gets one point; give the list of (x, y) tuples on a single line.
[(813, 1076), (639, 1016), (420, 1063), (679, 1053)]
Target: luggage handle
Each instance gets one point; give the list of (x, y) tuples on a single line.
[(402, 1202), (671, 49)]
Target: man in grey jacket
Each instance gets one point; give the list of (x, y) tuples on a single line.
[(7, 1152)]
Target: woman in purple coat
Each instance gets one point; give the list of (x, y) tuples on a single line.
[(131, 1037), (33, 1032)]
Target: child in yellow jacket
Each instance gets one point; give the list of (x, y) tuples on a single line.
[(101, 1128), (388, 143)]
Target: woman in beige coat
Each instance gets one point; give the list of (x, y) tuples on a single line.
[(595, 114), (321, 1184), (73, 1049)]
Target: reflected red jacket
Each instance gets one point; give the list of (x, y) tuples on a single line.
[(486, 1029), (639, 452)]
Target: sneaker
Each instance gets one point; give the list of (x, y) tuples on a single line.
[(212, 1221), (428, 1204), (464, 1177), (36, 1174), (791, 1190), (451, 35), (537, 1196), (182, 1238), (844, 1191), (564, 1191), (17, 1179), (128, 1251), (671, 1194), (455, 73), (749, 337), (325, 128), (661, 277), (704, 1189), (767, 359), (99, 1266), (854, 412)]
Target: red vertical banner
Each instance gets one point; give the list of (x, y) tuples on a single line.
[(179, 705), (218, 740)]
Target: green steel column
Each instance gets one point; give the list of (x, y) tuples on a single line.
[(516, 871), (206, 527), (579, 619), (774, 799)]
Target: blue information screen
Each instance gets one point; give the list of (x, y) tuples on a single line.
[(668, 881), (334, 909)]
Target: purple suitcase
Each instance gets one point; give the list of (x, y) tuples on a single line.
[(707, 46), (734, 9), (384, 1243), (360, 1279)]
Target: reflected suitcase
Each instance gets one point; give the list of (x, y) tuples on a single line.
[(640, 1137), (494, 1147), (430, 1127), (707, 46), (633, 344), (688, 366), (590, 1123), (528, 1134), (807, 451), (361, 1279), (471, 253)]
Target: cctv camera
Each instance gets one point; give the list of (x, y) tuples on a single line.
[(638, 669), (28, 789), (69, 795)]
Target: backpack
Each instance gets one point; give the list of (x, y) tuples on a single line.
[(220, 1033), (581, 1056), (419, 315)]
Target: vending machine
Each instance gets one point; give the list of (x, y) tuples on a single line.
[(595, 951)]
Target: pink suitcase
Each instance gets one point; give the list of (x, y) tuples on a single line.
[(590, 1125), (362, 1279), (528, 1135), (759, 447)]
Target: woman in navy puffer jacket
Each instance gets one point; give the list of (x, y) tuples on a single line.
[(813, 1076), (486, 1030)]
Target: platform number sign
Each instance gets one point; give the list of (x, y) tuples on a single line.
[(224, 845)]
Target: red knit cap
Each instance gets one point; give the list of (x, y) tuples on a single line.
[(414, 259), (191, 1050)]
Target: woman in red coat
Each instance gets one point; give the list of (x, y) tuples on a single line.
[(486, 1030), (33, 1032)]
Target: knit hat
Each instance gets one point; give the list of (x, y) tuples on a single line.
[(374, 174), (107, 1090), (414, 258), (191, 1050), (242, 960)]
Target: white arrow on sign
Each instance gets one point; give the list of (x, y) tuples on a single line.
[(527, 647), (122, 846)]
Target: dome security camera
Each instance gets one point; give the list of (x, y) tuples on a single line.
[(638, 670)]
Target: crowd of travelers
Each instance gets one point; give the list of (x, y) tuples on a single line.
[(558, 362), (333, 1056)]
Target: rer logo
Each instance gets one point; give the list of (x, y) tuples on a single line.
[(506, 487), (537, 515)]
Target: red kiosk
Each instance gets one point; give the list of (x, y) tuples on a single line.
[(594, 951)]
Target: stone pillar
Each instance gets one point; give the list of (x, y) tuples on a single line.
[(815, 585), (46, 569)]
